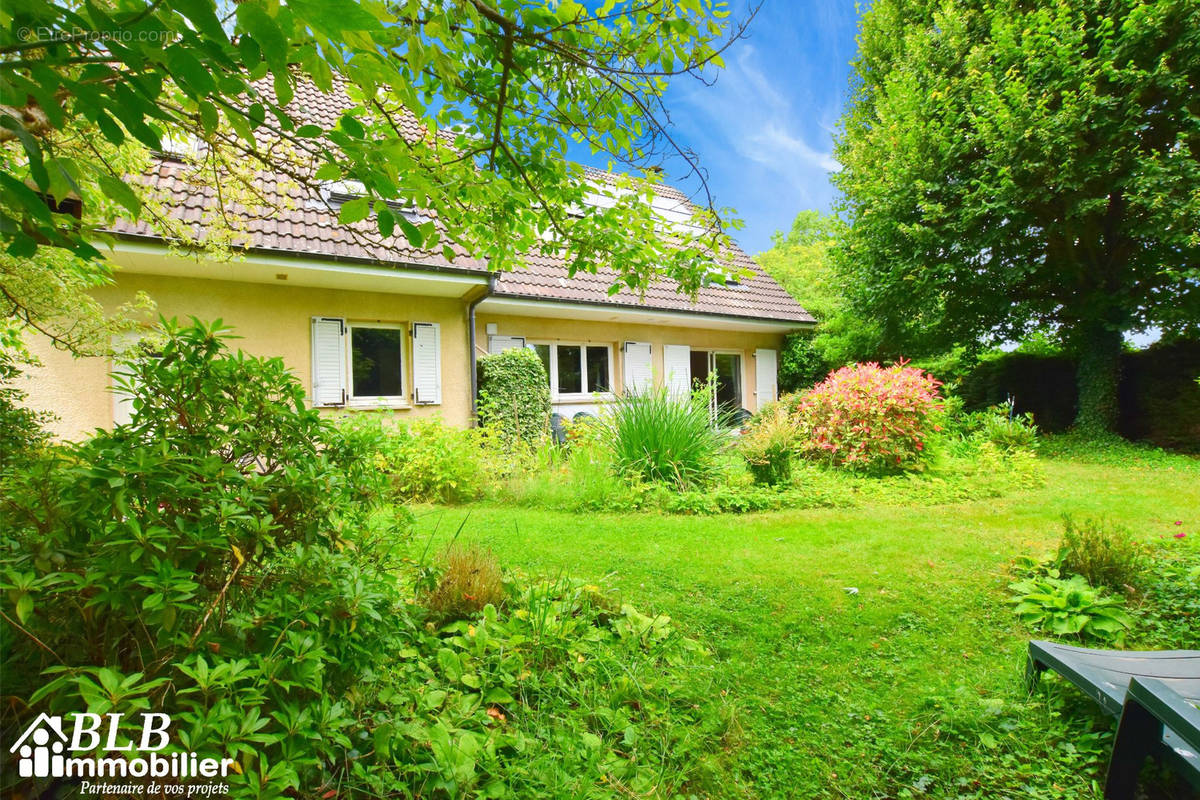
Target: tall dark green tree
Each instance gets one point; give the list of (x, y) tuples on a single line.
[(1013, 166)]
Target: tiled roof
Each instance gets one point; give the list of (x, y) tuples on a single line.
[(290, 221), (757, 296)]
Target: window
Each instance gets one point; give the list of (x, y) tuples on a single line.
[(570, 369), (543, 352), (376, 362), (576, 369), (368, 365), (597, 369), (338, 194)]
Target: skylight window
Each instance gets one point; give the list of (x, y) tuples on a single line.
[(342, 193)]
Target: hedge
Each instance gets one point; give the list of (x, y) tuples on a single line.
[(1158, 395), (514, 396)]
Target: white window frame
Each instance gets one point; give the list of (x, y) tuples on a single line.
[(379, 401), (741, 377), (559, 397)]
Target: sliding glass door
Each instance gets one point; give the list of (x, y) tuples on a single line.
[(727, 369)]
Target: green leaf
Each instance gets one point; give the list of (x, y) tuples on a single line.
[(333, 17), (498, 697), (254, 19), (111, 130), (433, 699), (119, 191), (411, 232), (385, 220), (283, 88), (209, 117), (328, 172), (193, 76), (352, 126), (24, 607), (450, 664), (354, 210)]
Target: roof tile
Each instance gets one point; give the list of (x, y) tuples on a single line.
[(295, 222)]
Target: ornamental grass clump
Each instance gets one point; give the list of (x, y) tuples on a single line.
[(472, 580), (869, 418), (656, 437), (769, 445)]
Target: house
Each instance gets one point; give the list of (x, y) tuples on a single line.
[(368, 327)]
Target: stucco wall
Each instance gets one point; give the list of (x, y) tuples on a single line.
[(275, 320), (271, 321), (616, 334)]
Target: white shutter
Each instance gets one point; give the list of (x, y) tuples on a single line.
[(677, 369), (498, 344), (328, 361), (427, 363), (639, 374), (765, 382)]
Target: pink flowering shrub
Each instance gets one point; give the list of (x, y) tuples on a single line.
[(870, 418)]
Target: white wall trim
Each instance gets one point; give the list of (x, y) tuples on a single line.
[(150, 259)]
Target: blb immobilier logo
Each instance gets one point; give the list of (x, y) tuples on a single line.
[(92, 746)]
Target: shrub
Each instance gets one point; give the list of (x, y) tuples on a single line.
[(1103, 552), (514, 397), (221, 560), (801, 364), (1070, 607), (580, 478), (197, 540), (966, 432), (470, 580), (769, 445), (653, 436), (20, 428), (426, 460), (1008, 431), (867, 417), (1170, 609)]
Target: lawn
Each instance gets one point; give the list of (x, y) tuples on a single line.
[(864, 652)]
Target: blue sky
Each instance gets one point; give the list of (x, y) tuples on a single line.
[(765, 130)]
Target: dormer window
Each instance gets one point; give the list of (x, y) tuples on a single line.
[(179, 148), (718, 277), (68, 205)]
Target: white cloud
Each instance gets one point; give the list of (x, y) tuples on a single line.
[(757, 121), (773, 144)]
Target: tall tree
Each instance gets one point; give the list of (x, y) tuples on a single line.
[(800, 260), (464, 107), (1011, 166)]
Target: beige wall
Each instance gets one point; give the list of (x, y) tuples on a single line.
[(616, 334), (271, 321), (275, 320)]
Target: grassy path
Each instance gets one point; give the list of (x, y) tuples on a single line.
[(863, 652)]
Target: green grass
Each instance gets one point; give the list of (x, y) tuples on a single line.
[(909, 687)]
